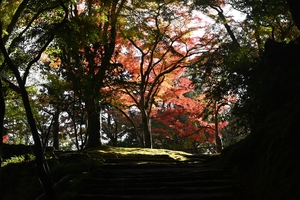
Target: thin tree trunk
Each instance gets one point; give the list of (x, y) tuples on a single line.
[(218, 139), (147, 134), (2, 113), (226, 25), (138, 136), (41, 165), (115, 141), (56, 129), (38, 150)]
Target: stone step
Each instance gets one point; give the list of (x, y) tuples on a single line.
[(187, 181), (216, 196), (158, 182), (160, 190)]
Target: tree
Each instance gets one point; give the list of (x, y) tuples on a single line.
[(15, 122), (115, 125), (86, 49), (157, 41), (185, 117), (233, 64), (269, 102), (53, 99), (43, 33)]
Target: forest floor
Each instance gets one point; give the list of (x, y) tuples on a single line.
[(133, 173)]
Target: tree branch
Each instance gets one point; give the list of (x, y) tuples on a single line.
[(225, 23), (50, 39)]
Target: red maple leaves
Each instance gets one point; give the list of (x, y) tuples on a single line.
[(180, 116)]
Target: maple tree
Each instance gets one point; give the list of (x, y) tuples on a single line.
[(135, 56), (15, 123), (183, 117), (120, 114), (158, 40)]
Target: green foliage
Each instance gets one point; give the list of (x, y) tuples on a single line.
[(17, 159), (225, 70), (15, 118), (236, 68), (7, 11)]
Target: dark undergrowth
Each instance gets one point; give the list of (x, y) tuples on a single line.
[(269, 158)]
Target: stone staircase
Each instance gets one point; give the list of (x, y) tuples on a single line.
[(161, 179)]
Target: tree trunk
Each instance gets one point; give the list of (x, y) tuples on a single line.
[(114, 134), (114, 141), (38, 150), (146, 130), (56, 129), (2, 112), (138, 136), (218, 139), (93, 130)]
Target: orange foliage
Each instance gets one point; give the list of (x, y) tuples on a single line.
[(155, 51)]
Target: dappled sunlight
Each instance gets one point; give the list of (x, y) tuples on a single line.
[(123, 151)]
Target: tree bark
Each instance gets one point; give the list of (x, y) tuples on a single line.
[(138, 136), (226, 25), (218, 139), (2, 113), (38, 151), (93, 129), (55, 129), (146, 130)]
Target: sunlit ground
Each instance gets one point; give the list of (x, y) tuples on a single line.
[(127, 152)]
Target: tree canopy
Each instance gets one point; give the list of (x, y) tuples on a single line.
[(136, 51), (155, 73)]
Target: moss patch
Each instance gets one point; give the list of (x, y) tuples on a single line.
[(122, 152)]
